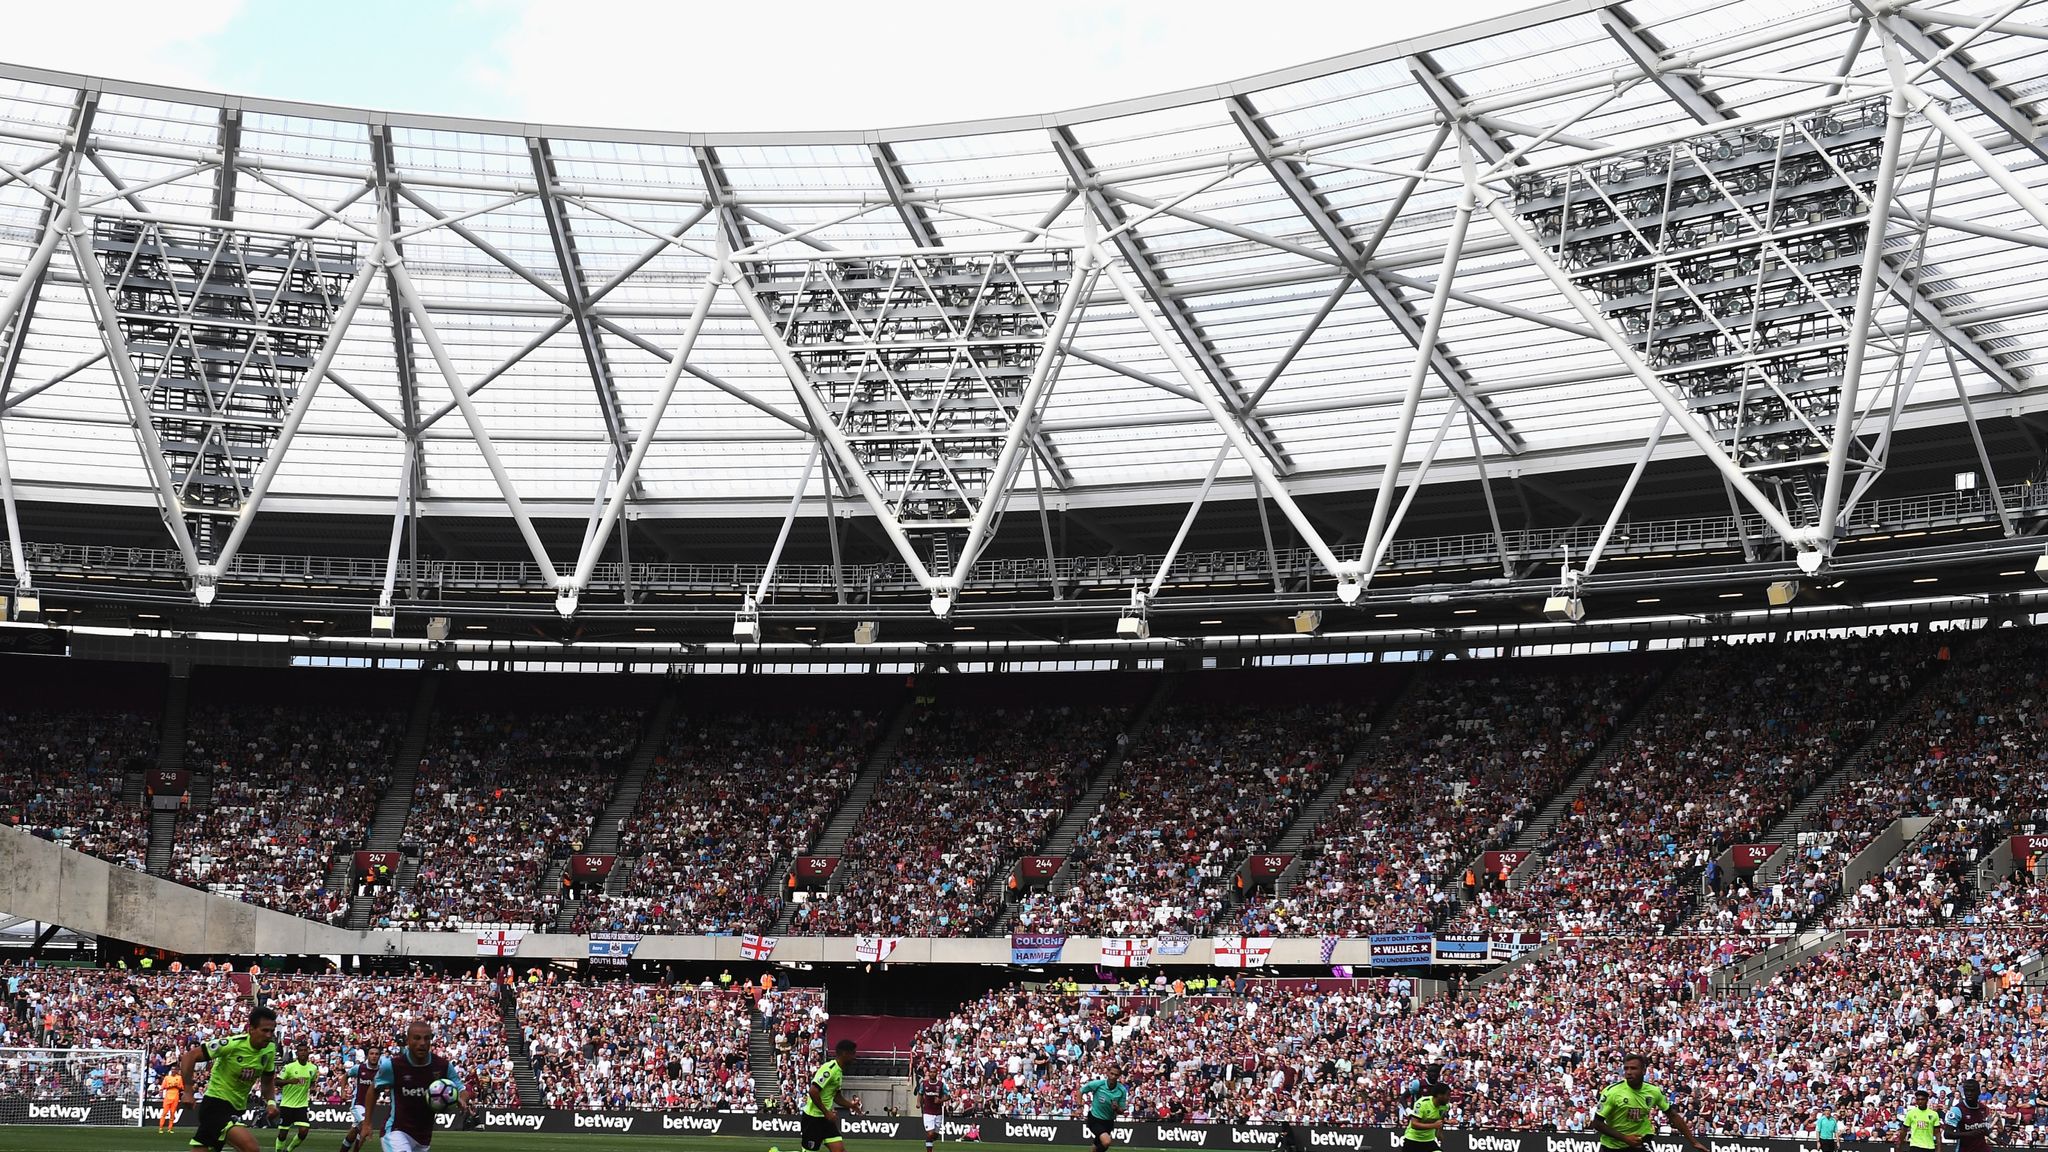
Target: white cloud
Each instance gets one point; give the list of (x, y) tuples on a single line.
[(154, 41), (806, 64)]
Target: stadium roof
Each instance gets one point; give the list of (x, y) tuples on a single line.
[(1284, 231)]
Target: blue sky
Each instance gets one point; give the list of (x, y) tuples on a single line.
[(787, 64)]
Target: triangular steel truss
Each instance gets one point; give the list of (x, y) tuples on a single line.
[(220, 327)]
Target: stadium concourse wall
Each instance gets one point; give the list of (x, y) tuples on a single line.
[(46, 882)]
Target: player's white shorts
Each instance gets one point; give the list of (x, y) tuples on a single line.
[(355, 1113), (400, 1142), (934, 1123)]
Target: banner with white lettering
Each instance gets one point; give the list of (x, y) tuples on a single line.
[(1509, 945), (1463, 948), (1126, 951), (1400, 949), (1035, 948), (874, 949), (613, 949), (1050, 1133), (1243, 951), (498, 943)]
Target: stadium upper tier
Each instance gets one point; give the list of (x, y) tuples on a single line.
[(1748, 788), (1547, 242)]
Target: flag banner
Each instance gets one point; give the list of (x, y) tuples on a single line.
[(1243, 951), (1172, 944), (498, 943), (1126, 951), (757, 947), (1463, 948), (613, 949), (1508, 945), (1341, 971), (1400, 950), (874, 949), (1026, 948), (1329, 948)]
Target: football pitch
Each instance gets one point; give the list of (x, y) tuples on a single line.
[(26, 1138)]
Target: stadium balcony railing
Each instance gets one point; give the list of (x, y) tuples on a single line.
[(1872, 520)]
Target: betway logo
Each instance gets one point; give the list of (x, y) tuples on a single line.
[(1044, 1132), (608, 1123), (1195, 1136), (857, 1126), (774, 1124), (1336, 1139), (1733, 1146), (330, 1116), (1254, 1136), (73, 1112), (1568, 1144), (1493, 1143), (511, 1120), (671, 1123)]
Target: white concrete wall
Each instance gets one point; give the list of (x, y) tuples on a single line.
[(46, 882)]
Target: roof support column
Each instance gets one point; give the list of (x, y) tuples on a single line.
[(1866, 300), (1425, 351), (578, 293), (1234, 429), (629, 474), (11, 308), (1193, 340)]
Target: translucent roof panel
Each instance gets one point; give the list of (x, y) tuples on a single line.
[(1285, 235)]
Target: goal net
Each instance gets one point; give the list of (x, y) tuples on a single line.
[(73, 1086)]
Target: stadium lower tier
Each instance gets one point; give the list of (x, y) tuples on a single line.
[(1850, 1033)]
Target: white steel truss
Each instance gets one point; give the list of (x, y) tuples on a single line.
[(1263, 287)]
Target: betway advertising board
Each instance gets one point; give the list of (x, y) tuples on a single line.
[(990, 1130)]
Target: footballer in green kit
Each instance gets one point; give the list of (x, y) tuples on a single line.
[(1627, 1112), (235, 1065), (295, 1096)]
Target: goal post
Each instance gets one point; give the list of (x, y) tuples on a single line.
[(107, 1087)]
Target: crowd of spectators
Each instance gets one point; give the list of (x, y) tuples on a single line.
[(1926, 883), (971, 789), (291, 788), (331, 1015), (731, 796), (1967, 756), (339, 1020), (1851, 1032), (1721, 753), (61, 778), (1457, 771), (1204, 788), (499, 796), (616, 1044), (795, 1019)]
